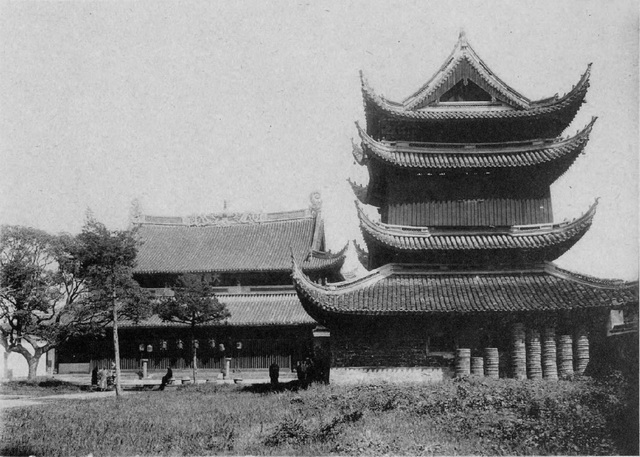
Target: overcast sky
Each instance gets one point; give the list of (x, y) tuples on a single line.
[(185, 105)]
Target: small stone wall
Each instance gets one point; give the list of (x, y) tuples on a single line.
[(368, 375)]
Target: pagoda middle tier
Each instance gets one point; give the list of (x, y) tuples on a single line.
[(461, 171)]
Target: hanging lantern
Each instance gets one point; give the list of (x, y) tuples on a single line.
[(238, 345), (196, 344), (141, 347), (221, 347), (212, 343), (163, 345), (149, 348), (180, 344)]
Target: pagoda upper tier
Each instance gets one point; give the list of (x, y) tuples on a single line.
[(464, 101)]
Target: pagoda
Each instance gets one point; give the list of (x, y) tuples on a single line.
[(460, 249)]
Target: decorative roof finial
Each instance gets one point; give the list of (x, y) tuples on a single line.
[(315, 202), (135, 212), (462, 38)]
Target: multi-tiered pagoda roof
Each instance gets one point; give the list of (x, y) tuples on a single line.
[(460, 174)]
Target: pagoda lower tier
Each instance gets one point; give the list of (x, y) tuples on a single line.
[(403, 320), (514, 245)]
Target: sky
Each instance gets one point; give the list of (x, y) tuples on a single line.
[(185, 105)]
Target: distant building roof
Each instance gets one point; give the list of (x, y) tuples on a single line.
[(233, 242), (247, 310)]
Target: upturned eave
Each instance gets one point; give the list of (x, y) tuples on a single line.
[(549, 106), (529, 237), (456, 156)]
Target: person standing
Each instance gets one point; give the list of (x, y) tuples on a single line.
[(274, 373)]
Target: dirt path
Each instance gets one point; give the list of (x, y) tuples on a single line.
[(15, 401)]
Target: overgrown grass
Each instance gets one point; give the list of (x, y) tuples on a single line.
[(38, 387), (475, 416)]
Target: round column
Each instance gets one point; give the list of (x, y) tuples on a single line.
[(477, 366), (463, 362), (565, 355), (534, 355), (491, 363), (518, 351), (580, 351), (549, 364)]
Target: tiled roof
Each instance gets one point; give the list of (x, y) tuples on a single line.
[(266, 245), (463, 62), (249, 310), (563, 107), (407, 238), (404, 290), (505, 155)]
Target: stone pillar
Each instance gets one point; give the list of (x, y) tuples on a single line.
[(145, 364), (227, 368), (580, 350), (463, 362), (491, 363), (534, 360), (565, 355), (549, 365), (518, 351)]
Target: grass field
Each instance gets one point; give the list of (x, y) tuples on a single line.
[(474, 416)]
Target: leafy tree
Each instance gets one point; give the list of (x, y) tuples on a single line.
[(194, 304), (105, 259), (42, 296)]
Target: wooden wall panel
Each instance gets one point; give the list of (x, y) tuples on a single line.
[(477, 213)]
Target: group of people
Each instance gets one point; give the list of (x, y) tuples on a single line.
[(307, 371), (103, 379)]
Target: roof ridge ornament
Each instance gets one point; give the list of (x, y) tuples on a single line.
[(224, 219), (315, 202), (462, 38)]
